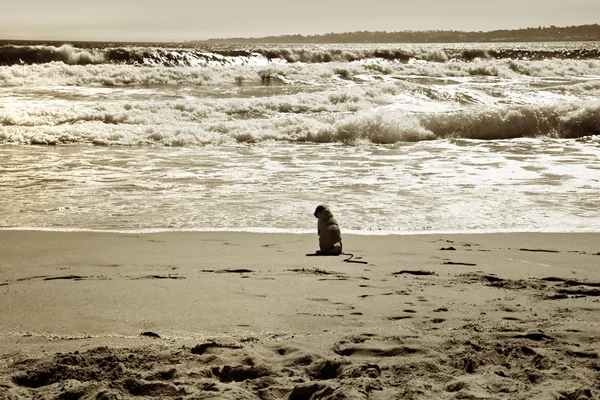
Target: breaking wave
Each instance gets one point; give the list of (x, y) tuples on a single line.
[(211, 55), (423, 54), (569, 121), (143, 128), (353, 94), (14, 55), (59, 73)]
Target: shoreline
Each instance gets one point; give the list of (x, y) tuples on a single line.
[(428, 314), (291, 231)]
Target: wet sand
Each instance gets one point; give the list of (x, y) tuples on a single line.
[(250, 316)]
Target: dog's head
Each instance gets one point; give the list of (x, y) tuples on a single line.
[(322, 209)]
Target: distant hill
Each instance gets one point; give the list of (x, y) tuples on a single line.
[(540, 34)]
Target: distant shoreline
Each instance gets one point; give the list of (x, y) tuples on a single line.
[(539, 34), (579, 33)]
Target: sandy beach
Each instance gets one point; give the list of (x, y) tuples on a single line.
[(250, 316)]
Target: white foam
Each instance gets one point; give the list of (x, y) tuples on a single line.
[(511, 185)]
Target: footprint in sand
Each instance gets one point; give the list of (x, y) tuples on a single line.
[(322, 299), (67, 277), (540, 250), (459, 263), (150, 335), (228, 271), (375, 347), (234, 271), (161, 277), (413, 272)]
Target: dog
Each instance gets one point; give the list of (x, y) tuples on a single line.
[(330, 236)]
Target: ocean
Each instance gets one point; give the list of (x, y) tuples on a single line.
[(499, 137)]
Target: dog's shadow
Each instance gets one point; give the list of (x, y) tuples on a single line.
[(318, 253), (348, 260)]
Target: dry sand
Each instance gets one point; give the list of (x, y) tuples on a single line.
[(250, 316)]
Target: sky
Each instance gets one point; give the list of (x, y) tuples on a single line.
[(182, 20)]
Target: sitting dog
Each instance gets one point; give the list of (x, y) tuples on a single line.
[(330, 236)]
